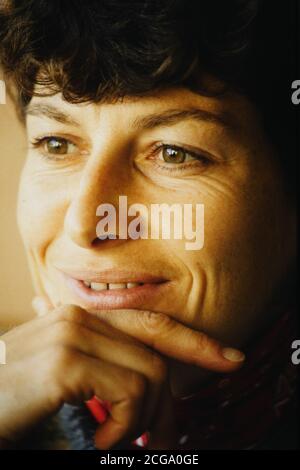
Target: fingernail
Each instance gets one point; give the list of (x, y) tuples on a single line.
[(233, 355)]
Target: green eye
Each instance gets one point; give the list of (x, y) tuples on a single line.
[(57, 146), (173, 155)]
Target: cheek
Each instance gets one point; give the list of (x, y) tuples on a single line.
[(227, 220), (237, 239), (41, 208), (240, 259)]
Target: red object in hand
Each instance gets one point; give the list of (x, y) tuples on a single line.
[(100, 410)]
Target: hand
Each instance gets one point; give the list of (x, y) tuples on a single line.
[(163, 334), (171, 338), (69, 356), (166, 335)]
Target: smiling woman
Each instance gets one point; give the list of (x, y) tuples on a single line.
[(139, 340)]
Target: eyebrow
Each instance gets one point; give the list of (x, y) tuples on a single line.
[(50, 112), (174, 116), (166, 118)]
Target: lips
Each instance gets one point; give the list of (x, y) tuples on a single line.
[(114, 289)]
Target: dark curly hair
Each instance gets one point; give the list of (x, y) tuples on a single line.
[(95, 50)]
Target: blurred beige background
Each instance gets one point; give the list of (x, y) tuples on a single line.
[(15, 284)]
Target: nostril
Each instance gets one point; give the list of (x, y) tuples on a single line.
[(107, 236), (115, 241)]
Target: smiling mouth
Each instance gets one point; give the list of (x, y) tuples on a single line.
[(103, 286), (114, 289)]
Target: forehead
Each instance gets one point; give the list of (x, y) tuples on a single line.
[(159, 108)]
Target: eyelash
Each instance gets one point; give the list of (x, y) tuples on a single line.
[(199, 157), (37, 143), (202, 158)]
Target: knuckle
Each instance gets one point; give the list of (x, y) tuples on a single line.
[(70, 313), (155, 321), (202, 343), (66, 332)]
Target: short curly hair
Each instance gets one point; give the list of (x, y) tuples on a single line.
[(95, 50)]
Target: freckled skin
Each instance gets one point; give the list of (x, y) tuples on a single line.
[(222, 289)]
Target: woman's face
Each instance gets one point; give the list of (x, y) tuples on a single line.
[(84, 155)]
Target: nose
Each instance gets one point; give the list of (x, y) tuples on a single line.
[(99, 184)]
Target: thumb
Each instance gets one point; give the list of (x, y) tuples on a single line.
[(41, 306)]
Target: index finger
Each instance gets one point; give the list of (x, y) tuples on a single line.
[(172, 338)]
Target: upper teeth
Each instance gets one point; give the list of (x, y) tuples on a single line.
[(105, 286)]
